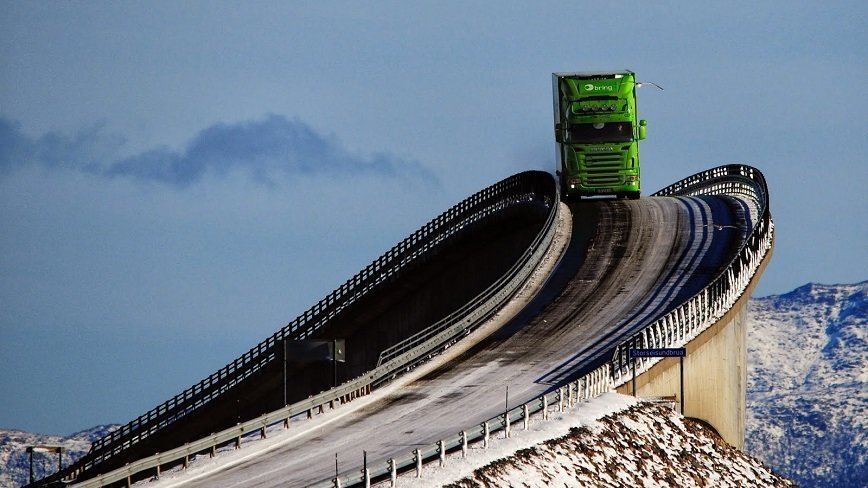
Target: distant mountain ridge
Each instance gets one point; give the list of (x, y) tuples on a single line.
[(807, 402), (15, 462)]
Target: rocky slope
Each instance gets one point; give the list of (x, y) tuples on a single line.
[(646, 445)]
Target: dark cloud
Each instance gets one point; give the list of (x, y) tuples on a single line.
[(14, 147), (262, 148), (84, 151)]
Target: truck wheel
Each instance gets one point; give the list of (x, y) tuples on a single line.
[(633, 195)]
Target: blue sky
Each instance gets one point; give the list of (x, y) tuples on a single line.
[(180, 179)]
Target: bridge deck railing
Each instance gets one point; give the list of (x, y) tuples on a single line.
[(518, 189), (699, 312)]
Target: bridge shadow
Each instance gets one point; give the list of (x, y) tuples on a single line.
[(722, 227)]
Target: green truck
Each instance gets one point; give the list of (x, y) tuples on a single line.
[(597, 133)]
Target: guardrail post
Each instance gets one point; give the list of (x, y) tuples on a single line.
[(506, 425), (238, 442), (485, 434), (570, 395), (561, 399), (442, 448), (524, 415), (393, 472), (186, 461), (213, 452), (418, 462), (545, 407), (158, 468), (463, 444), (262, 434), (366, 474)]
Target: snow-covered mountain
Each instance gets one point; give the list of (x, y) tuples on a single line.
[(15, 462), (807, 404)]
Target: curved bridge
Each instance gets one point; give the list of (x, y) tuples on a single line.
[(550, 299)]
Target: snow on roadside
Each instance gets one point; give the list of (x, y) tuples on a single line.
[(539, 431), (611, 441)]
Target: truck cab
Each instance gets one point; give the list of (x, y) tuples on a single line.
[(597, 134)]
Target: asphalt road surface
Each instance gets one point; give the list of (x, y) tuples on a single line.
[(628, 262)]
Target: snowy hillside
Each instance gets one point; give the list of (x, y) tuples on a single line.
[(807, 393), (15, 462), (646, 445)]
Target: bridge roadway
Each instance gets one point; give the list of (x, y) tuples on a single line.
[(627, 263)]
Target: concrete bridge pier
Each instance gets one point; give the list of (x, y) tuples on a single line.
[(715, 372)]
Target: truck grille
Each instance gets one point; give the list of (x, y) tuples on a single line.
[(604, 180), (603, 168)]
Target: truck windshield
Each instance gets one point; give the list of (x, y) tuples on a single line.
[(601, 132)]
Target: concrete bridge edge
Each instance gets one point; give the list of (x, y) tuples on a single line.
[(715, 372)]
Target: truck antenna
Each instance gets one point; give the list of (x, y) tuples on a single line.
[(642, 83)]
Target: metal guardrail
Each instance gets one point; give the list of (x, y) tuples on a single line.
[(699, 312), (589, 386), (521, 188), (474, 312)]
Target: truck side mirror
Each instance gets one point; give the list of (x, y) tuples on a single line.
[(642, 129)]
